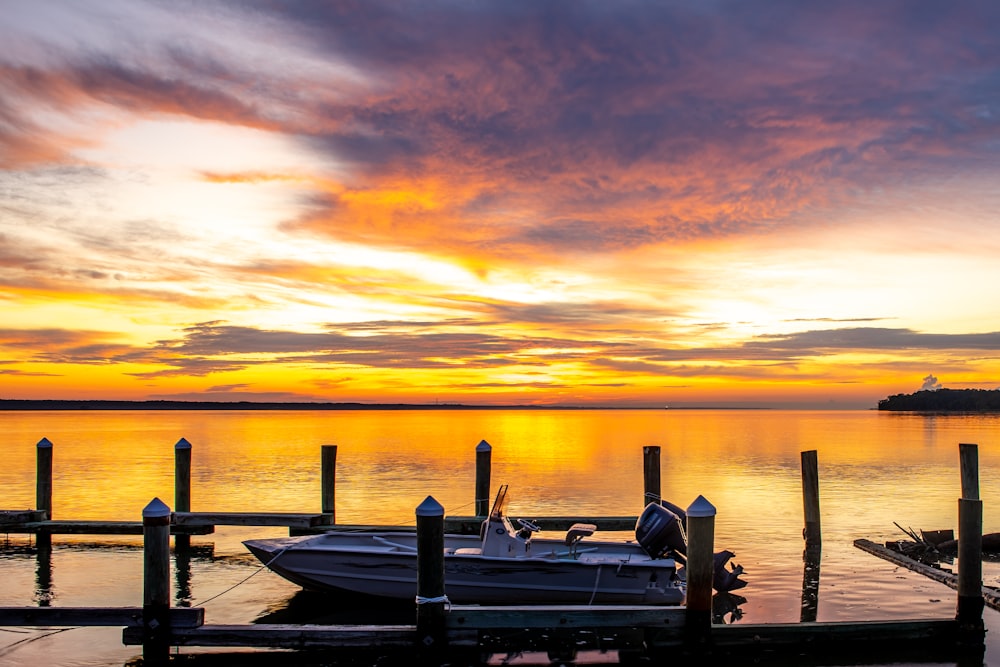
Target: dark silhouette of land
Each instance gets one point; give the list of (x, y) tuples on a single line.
[(944, 400)]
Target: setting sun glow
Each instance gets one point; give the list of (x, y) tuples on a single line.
[(489, 205)]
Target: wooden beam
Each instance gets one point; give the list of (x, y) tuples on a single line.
[(564, 616), (990, 596), (97, 528), (470, 525), (21, 516), (844, 631), (287, 636), (180, 617), (289, 519)]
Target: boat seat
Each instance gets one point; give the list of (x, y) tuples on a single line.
[(468, 551), (578, 531)]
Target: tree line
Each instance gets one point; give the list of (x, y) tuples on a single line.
[(945, 400)]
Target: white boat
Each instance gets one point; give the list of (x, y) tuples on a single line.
[(503, 565)]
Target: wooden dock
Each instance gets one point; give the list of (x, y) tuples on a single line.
[(465, 635)]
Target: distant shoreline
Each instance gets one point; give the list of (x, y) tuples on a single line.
[(944, 400), (92, 404)]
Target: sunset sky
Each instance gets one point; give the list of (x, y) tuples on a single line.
[(726, 203)]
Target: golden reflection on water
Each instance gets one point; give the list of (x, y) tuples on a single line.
[(108, 465), (874, 469)]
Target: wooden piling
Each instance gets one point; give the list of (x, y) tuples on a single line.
[(431, 601), (970, 563), (810, 499), (182, 476), (651, 475), (700, 569), (968, 455), (43, 477), (156, 583), (328, 481), (484, 454), (182, 486)]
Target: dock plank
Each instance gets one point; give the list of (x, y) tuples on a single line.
[(287, 636), (470, 525), (890, 632), (564, 616), (991, 597), (97, 528), (21, 516), (283, 519), (180, 617)]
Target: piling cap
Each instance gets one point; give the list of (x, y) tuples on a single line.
[(700, 508), (155, 509), (182, 444), (44, 442), (483, 446), (430, 507)]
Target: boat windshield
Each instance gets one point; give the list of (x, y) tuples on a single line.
[(500, 503)]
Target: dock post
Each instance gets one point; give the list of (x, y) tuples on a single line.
[(968, 455), (43, 477), (182, 485), (700, 570), (328, 481), (43, 491), (810, 499), (484, 454), (431, 601), (970, 572), (156, 583), (651, 474)]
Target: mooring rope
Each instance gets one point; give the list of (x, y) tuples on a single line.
[(247, 578), (443, 598), (9, 648)]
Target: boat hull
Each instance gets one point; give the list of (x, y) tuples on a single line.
[(385, 565)]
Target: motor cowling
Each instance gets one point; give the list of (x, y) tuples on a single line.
[(660, 532)]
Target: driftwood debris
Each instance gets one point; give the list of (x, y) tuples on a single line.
[(933, 546), (920, 547), (991, 596)]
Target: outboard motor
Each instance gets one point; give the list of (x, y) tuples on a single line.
[(660, 532)]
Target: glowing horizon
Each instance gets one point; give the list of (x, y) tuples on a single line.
[(563, 204)]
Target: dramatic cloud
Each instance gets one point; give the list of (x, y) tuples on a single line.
[(930, 384), (583, 198)]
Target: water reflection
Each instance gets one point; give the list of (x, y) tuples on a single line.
[(726, 607), (182, 575), (810, 584), (747, 463), (43, 572), (314, 607)]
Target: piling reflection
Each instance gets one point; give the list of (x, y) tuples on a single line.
[(182, 575), (810, 583), (43, 571), (184, 556)]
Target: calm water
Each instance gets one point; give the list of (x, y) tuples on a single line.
[(875, 469)]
